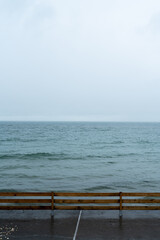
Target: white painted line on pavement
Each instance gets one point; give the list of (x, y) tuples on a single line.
[(75, 234)]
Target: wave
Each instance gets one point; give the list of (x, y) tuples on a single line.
[(117, 142), (15, 167), (23, 156), (20, 175), (107, 143), (38, 155), (8, 156), (111, 162), (102, 156), (63, 156), (144, 142), (99, 156), (99, 188), (8, 190), (15, 139), (125, 154)]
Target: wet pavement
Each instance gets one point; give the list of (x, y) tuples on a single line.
[(98, 225)]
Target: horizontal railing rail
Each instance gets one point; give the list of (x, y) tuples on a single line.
[(79, 201)]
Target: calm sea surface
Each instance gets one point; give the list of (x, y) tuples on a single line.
[(68, 156)]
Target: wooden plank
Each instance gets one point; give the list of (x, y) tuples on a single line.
[(141, 201), (141, 208), (86, 208), (47, 194), (120, 201), (25, 200), (25, 207), (52, 201), (141, 194), (81, 201), (69, 194), (77, 194)]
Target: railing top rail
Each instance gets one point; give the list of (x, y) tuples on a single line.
[(140, 194), (83, 194), (26, 194)]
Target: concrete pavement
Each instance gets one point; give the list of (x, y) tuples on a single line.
[(98, 225)]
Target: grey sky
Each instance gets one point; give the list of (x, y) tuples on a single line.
[(80, 60)]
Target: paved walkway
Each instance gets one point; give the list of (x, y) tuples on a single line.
[(98, 225)]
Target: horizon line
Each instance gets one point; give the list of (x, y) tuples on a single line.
[(98, 121)]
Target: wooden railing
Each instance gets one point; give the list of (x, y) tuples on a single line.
[(78, 201), (26, 200)]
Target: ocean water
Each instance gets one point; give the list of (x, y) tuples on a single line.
[(79, 156)]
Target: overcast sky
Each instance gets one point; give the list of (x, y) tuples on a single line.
[(93, 60)]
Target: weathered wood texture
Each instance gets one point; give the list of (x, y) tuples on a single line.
[(81, 201), (78, 201), (26, 194), (25, 207), (25, 201), (86, 207), (141, 194), (56, 194)]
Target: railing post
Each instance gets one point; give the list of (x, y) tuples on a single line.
[(120, 205), (52, 204)]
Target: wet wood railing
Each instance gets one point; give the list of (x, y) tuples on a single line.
[(79, 201), (26, 200)]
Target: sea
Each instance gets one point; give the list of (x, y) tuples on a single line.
[(80, 156)]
